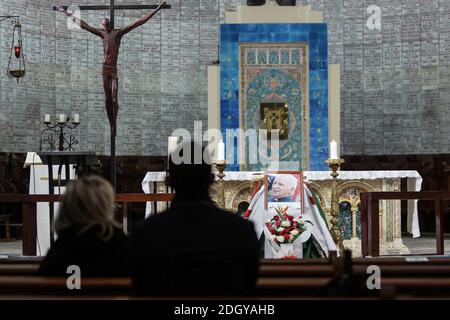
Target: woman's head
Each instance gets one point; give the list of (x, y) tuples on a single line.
[(88, 202)]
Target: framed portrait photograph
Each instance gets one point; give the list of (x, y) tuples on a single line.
[(284, 188)]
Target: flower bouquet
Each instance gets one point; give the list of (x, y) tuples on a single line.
[(284, 232)]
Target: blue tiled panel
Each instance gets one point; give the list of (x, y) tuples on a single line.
[(315, 35)]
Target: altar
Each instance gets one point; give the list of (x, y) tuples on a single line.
[(274, 93), (239, 187)]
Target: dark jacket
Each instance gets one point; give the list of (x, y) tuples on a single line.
[(94, 256), (194, 249)]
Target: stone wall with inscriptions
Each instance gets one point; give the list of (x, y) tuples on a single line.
[(395, 81), (162, 71)]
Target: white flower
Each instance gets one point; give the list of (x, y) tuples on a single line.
[(285, 224), (273, 237), (280, 239), (280, 229), (294, 232)]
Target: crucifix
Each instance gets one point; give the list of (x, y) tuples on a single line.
[(111, 43)]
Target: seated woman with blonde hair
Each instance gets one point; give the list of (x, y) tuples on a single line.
[(88, 235)]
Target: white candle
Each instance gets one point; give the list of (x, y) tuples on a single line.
[(333, 150), (62, 118), (76, 118), (172, 145), (221, 151), (47, 118)]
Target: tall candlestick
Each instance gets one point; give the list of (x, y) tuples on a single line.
[(47, 118), (76, 118), (333, 150), (220, 166), (62, 118), (335, 230), (221, 151)]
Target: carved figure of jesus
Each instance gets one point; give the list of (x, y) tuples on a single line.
[(111, 43)]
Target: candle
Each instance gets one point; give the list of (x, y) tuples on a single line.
[(76, 118), (221, 151), (62, 118), (47, 118), (333, 150), (172, 145)]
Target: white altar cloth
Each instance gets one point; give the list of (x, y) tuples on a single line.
[(414, 183)]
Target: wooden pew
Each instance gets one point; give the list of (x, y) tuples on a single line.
[(361, 261), (300, 268), (266, 287), (281, 271), (21, 260), (45, 286), (327, 270), (33, 285), (356, 261), (406, 286), (19, 269)]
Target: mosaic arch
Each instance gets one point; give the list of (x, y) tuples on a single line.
[(273, 46), (275, 85)]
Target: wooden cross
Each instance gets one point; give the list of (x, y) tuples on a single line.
[(112, 8)]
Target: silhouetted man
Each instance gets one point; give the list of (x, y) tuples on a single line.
[(194, 248)]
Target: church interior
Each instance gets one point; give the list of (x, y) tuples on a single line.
[(348, 99)]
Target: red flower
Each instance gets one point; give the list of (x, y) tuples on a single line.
[(290, 218), (276, 218), (278, 223), (295, 224), (286, 236)]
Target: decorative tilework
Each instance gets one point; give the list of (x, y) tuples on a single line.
[(251, 57), (315, 37), (358, 222), (284, 57), (295, 56), (345, 220), (262, 57), (274, 57), (275, 85)]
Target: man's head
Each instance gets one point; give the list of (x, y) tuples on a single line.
[(284, 186), (187, 176), (107, 24)]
